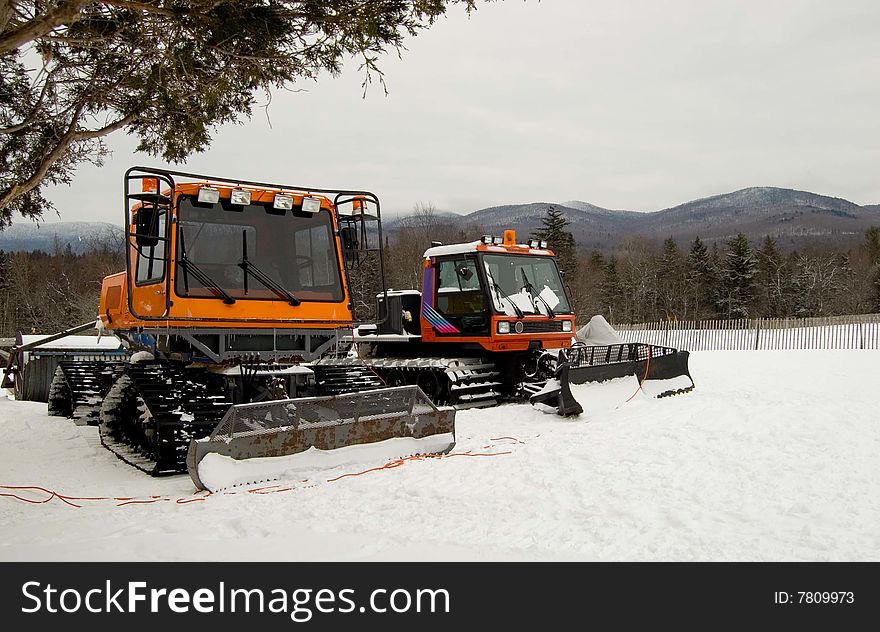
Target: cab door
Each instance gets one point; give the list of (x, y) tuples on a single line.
[(149, 248), (458, 301)]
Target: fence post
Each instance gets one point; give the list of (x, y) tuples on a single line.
[(757, 332)]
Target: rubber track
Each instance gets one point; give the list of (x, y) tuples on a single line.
[(81, 387), (162, 410)]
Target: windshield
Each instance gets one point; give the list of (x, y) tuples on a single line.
[(295, 251), (528, 283)]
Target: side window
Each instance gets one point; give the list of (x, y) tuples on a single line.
[(150, 266), (314, 257), (458, 275), (458, 287)]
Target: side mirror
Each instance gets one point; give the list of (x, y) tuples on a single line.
[(147, 227), (349, 237), (465, 273)]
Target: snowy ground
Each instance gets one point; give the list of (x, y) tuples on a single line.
[(773, 457)]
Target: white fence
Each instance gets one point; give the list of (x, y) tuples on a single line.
[(834, 332)]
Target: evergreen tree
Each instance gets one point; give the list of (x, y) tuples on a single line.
[(169, 73), (559, 240), (611, 291), (872, 244), (773, 281), (671, 294), (738, 278), (702, 278), (5, 315)]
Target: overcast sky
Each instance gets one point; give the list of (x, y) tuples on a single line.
[(636, 104)]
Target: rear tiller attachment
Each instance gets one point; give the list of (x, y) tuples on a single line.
[(666, 368), (663, 369)]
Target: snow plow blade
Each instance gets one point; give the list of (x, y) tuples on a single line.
[(663, 368), (254, 442)]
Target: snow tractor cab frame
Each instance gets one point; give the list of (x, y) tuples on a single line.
[(232, 289)]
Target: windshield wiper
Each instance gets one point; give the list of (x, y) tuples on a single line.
[(516, 309), (251, 269), (189, 267), (534, 295)]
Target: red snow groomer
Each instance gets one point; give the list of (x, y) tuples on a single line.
[(494, 322)]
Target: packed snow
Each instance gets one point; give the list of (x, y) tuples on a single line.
[(774, 456), (74, 343), (219, 472)]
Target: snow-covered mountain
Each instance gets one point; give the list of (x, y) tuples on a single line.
[(795, 218)]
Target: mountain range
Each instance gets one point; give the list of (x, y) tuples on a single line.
[(797, 219)]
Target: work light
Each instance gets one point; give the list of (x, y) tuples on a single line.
[(283, 202), (209, 195), (241, 197), (311, 205)]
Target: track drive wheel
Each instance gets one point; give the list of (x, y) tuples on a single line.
[(395, 377), (433, 384)]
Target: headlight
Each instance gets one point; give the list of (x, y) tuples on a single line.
[(566, 325), (503, 327), (209, 195)]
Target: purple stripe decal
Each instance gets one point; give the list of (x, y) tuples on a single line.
[(437, 321), (428, 286)]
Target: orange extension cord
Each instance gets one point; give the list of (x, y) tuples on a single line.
[(644, 377), (122, 501)]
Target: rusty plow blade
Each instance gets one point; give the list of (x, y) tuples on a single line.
[(277, 439)]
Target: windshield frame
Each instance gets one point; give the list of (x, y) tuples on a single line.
[(256, 291), (558, 309)]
